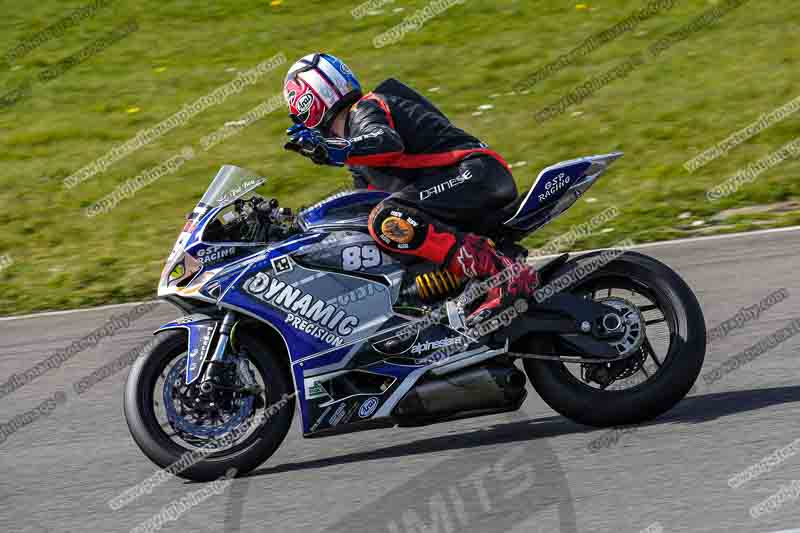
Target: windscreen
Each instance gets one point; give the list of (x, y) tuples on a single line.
[(230, 183)]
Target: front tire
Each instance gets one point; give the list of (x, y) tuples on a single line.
[(676, 374), (152, 437)]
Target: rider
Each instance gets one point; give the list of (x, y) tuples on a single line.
[(443, 181)]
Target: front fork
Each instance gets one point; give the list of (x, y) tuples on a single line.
[(224, 336), (216, 365)]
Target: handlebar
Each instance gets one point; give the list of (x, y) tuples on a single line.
[(264, 220)]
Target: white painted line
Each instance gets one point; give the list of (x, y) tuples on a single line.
[(690, 240), (787, 531), (676, 242), (719, 237), (73, 311)]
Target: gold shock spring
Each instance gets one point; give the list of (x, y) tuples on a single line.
[(437, 284)]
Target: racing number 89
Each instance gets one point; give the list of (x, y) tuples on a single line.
[(358, 257)]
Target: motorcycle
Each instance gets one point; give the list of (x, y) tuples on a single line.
[(283, 309)]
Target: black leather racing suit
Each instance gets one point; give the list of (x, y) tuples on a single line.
[(444, 181)]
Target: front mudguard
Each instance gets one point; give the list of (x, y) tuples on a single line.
[(201, 330)]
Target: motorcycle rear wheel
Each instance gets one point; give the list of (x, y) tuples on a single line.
[(675, 373)]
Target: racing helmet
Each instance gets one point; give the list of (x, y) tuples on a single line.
[(317, 87)]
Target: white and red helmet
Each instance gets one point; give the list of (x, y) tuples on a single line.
[(317, 87)]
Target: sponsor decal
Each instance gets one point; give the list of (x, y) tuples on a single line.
[(214, 254), (350, 413), (366, 136), (321, 418), (198, 352), (467, 262), (368, 407), (303, 104), (314, 389), (554, 185), (240, 190), (338, 415), (282, 264), (358, 294), (427, 346), (306, 313), (446, 186), (397, 230), (326, 93), (190, 318), (212, 289)]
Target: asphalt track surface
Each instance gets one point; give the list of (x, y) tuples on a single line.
[(531, 471)]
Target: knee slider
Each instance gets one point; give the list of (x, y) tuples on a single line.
[(397, 227)]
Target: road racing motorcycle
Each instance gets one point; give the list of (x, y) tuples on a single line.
[(283, 309)]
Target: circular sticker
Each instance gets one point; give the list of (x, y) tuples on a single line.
[(398, 230), (368, 407), (303, 103)]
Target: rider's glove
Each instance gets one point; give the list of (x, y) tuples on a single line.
[(310, 143)]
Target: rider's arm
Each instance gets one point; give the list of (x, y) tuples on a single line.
[(374, 141), (360, 177)]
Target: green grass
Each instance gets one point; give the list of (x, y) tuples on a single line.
[(703, 89)]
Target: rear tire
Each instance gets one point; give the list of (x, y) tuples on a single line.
[(574, 399), (163, 451)]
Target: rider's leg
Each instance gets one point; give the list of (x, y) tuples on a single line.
[(421, 220)]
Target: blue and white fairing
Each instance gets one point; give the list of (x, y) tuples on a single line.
[(200, 331), (328, 291), (556, 188)]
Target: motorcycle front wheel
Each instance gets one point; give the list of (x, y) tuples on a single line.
[(204, 435)]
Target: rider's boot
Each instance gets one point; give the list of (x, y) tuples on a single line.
[(477, 258)]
